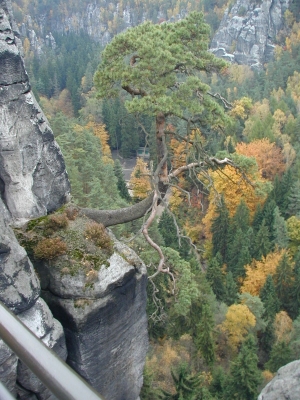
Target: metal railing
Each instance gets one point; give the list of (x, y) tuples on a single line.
[(56, 375)]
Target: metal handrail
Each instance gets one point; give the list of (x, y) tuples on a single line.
[(56, 375)]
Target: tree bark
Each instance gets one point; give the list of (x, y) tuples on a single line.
[(120, 216)]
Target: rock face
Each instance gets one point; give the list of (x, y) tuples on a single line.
[(285, 385), (19, 290), (33, 178), (101, 302), (248, 30), (103, 309)]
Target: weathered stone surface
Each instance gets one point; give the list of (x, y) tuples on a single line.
[(106, 325), (19, 286), (41, 322), (248, 30), (32, 169), (8, 367), (285, 385), (19, 290)]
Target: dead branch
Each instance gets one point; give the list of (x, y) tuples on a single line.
[(225, 102)]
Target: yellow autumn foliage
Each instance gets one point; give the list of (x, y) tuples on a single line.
[(232, 185), (283, 327), (237, 324), (139, 181), (257, 272)]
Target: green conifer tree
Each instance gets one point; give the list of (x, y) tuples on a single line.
[(262, 242), (295, 290), (186, 385), (215, 277), (280, 230), (244, 373), (257, 218), (280, 355), (238, 254), (294, 199), (168, 230), (241, 217), (231, 292), (122, 187), (204, 339), (270, 300), (284, 282), (219, 230)]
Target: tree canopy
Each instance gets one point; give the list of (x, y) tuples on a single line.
[(158, 66)]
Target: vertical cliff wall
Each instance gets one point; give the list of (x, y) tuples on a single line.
[(102, 308), (248, 30), (33, 178)]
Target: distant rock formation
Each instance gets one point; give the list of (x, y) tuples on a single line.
[(33, 177), (285, 385), (248, 31)]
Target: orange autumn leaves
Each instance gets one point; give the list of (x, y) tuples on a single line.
[(268, 156), (253, 191)]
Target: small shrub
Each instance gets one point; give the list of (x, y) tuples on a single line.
[(96, 233), (57, 221), (72, 213), (92, 276), (50, 248)]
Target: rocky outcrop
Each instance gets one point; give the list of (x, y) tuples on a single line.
[(19, 290), (285, 385), (99, 297), (98, 292), (248, 31), (33, 178)]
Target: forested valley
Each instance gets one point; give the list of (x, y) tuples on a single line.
[(231, 238)]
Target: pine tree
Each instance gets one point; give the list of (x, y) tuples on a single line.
[(244, 373), (218, 383), (231, 293), (241, 217), (122, 187), (186, 385), (238, 253), (295, 290), (257, 218), (262, 242), (283, 282), (280, 230), (168, 230), (294, 199), (282, 199), (135, 63), (270, 300), (219, 229), (215, 277), (280, 355), (204, 339), (147, 391), (268, 214), (110, 112)]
